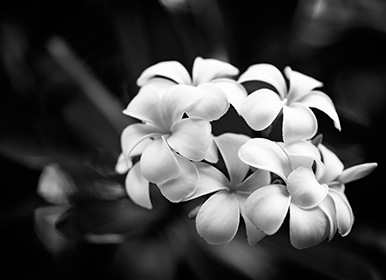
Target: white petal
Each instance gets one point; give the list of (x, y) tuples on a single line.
[(267, 155), (254, 235), (357, 172), (183, 185), (299, 122), (321, 101), (146, 106), (344, 213), (307, 227), (123, 164), (235, 93), (137, 187), (206, 70), (161, 84), (267, 207), (158, 163), (229, 144), (218, 219), (177, 100), (266, 73), (304, 153), (305, 190), (135, 134), (300, 84), (261, 108), (211, 180), (173, 70), (191, 137), (212, 105), (329, 208), (212, 153), (256, 180), (333, 165)]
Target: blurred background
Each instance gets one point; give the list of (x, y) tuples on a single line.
[(68, 68)]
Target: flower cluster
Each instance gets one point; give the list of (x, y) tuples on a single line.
[(263, 180)]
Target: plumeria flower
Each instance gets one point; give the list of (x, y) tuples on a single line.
[(335, 176), (296, 190), (263, 106), (217, 220), (166, 141), (210, 80)]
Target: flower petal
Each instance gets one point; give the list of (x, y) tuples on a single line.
[(357, 172), (299, 122), (184, 184), (146, 106), (304, 153), (191, 137), (307, 227), (212, 153), (267, 155), (333, 165), (266, 73), (206, 70), (158, 163), (261, 108), (123, 164), (256, 180), (161, 84), (218, 219), (235, 93), (305, 190), (229, 144), (300, 84), (134, 134), (173, 70), (328, 207), (254, 235), (211, 180), (321, 101), (344, 213), (212, 105), (267, 207), (137, 187)]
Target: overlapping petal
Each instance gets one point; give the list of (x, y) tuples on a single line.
[(333, 165), (158, 163), (229, 144), (356, 172), (184, 184), (254, 234), (344, 213), (256, 180), (134, 134), (321, 101), (267, 155), (266, 73), (307, 227), (137, 187), (145, 106), (218, 219), (173, 70), (191, 138), (205, 70), (261, 108), (299, 122), (267, 207), (210, 180), (300, 84), (213, 103), (305, 190), (235, 93)]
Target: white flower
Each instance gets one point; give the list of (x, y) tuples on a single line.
[(262, 106), (297, 191), (217, 220), (166, 143)]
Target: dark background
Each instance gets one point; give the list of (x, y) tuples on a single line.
[(59, 61)]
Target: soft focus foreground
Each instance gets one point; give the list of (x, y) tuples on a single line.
[(68, 213)]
